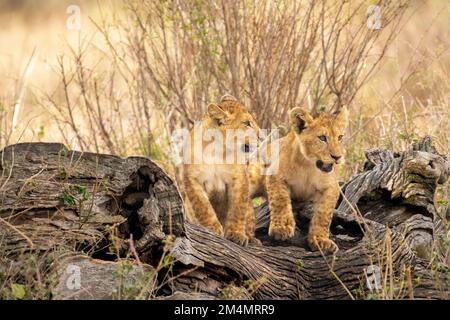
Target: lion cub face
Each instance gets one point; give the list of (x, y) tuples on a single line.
[(320, 138), (232, 116)]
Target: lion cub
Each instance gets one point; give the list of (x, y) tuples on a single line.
[(216, 188), (308, 156)]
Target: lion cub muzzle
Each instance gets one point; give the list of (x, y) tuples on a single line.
[(324, 167)]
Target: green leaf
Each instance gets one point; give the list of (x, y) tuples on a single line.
[(403, 136), (18, 291), (65, 151), (41, 132)]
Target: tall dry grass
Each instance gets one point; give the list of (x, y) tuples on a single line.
[(170, 59), (138, 69), (150, 60)]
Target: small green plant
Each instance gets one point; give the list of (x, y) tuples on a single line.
[(62, 174), (74, 194), (18, 291), (41, 132), (31, 281), (299, 264), (65, 151), (129, 283), (374, 296), (67, 198)]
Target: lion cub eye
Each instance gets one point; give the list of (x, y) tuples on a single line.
[(340, 137), (247, 124), (323, 138)]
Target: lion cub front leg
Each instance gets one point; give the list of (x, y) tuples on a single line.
[(319, 228), (201, 206), (282, 222), (250, 224), (235, 225)]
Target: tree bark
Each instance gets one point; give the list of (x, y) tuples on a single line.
[(108, 208)]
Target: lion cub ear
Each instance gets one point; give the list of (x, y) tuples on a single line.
[(228, 97), (217, 113), (299, 119), (341, 117)]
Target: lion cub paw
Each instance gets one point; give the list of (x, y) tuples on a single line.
[(282, 231), (237, 237), (216, 228), (325, 244), (254, 241)]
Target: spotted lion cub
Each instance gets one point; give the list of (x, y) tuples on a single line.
[(216, 188), (308, 156)]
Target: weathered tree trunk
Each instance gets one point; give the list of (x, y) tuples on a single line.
[(71, 203)]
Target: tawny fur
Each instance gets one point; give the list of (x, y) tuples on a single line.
[(218, 194), (299, 177)]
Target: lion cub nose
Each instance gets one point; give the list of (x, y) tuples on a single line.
[(336, 158)]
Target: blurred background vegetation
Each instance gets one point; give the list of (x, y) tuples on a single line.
[(138, 69)]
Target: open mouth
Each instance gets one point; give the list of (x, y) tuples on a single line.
[(246, 148), (324, 167)]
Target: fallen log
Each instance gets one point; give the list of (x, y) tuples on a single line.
[(57, 204)]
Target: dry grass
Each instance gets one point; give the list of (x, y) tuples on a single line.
[(124, 79), (139, 69)]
